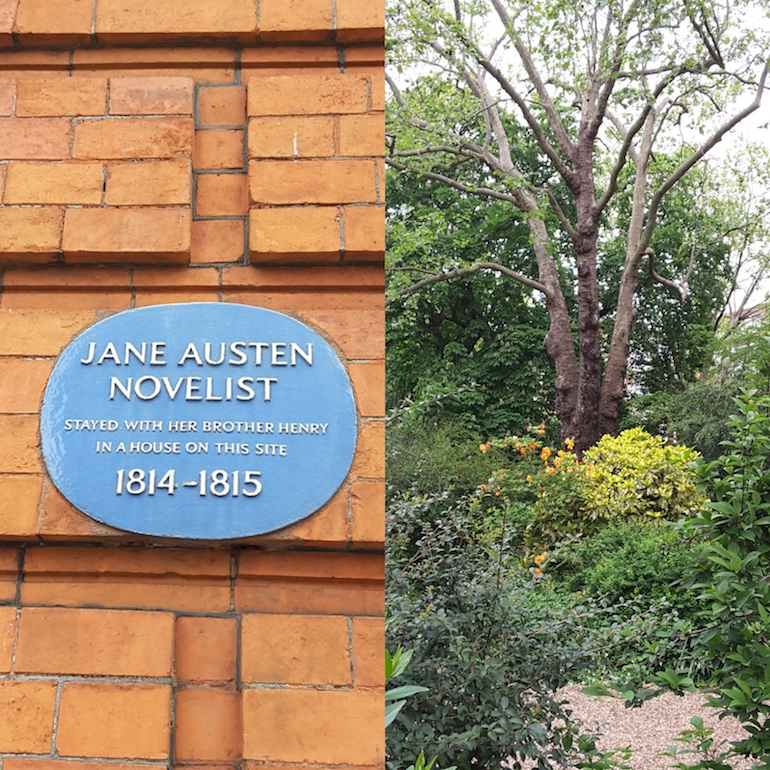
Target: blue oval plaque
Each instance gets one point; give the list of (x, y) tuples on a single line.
[(199, 420)]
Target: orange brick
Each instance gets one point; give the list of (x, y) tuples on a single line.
[(9, 574), (20, 763), (61, 96), (368, 652), (343, 278), (295, 649), (307, 94), (218, 148), (30, 231), (369, 460), (291, 137), (151, 96), (208, 725), (126, 19), (7, 93), (61, 520), (205, 649), (360, 334), (28, 709), (120, 139), (35, 138), (357, 21), (364, 231), (300, 232), (323, 726), (222, 195), (55, 21), (21, 384), (172, 278), (222, 106), (362, 135), (216, 241), (367, 499), (7, 16), (46, 183), (19, 452), (153, 183), (113, 720), (19, 505), (312, 181), (39, 332), (7, 636), (282, 19), (160, 232), (313, 566), (94, 642), (50, 299), (369, 387), (377, 91), (67, 278)]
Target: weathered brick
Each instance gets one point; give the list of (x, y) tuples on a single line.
[(7, 93), (114, 720), (307, 94), (28, 710), (367, 499), (121, 139), (222, 195), (208, 725), (291, 137), (47, 96), (149, 183), (22, 763), (19, 505), (35, 138), (218, 148), (130, 19), (222, 106), (216, 241), (55, 21), (362, 135), (312, 181), (62, 521), (295, 649), (369, 460), (21, 384), (7, 636), (283, 19), (345, 281), (205, 649), (359, 22), (171, 278), (369, 387), (150, 232), (368, 652), (94, 642), (377, 90), (151, 96), (30, 231), (7, 15), (19, 451), (314, 726), (364, 232), (360, 334), (39, 332), (50, 183), (300, 232)]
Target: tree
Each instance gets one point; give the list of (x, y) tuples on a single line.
[(591, 88)]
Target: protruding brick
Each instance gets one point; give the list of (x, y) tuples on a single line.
[(39, 332), (19, 450), (362, 135), (369, 460), (282, 19), (30, 231), (61, 96), (369, 387), (364, 232), (164, 232), (94, 642), (367, 499), (19, 506), (7, 636), (21, 384), (28, 723), (295, 649), (208, 725), (218, 148), (222, 106), (368, 652), (295, 232), (312, 181), (307, 94), (35, 138), (114, 720), (149, 183), (121, 139), (151, 96), (47, 183), (360, 22), (55, 21), (7, 91), (7, 15), (216, 241), (222, 195), (291, 137), (205, 649), (314, 726)]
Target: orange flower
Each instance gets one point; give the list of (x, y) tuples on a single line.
[(484, 448), (529, 479), (537, 573), (545, 454), (540, 430), (541, 557), (569, 443)]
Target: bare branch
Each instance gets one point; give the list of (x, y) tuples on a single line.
[(681, 291)]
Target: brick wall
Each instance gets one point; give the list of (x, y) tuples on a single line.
[(156, 151)]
